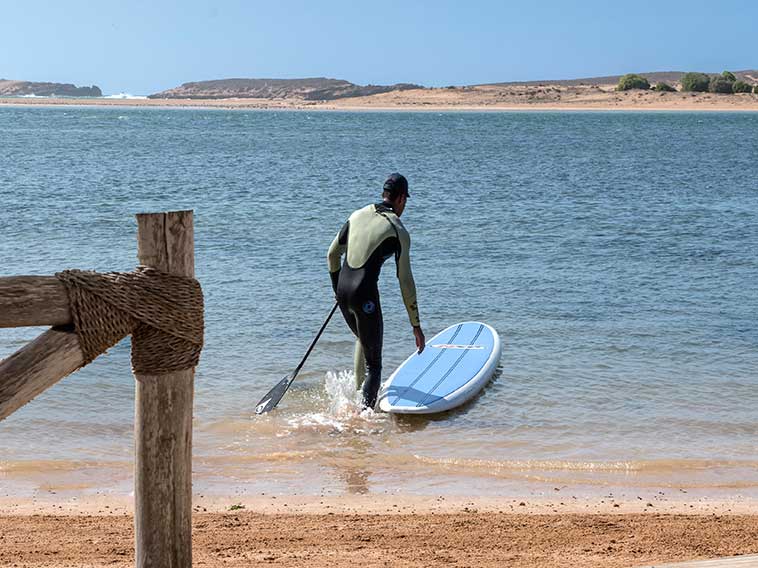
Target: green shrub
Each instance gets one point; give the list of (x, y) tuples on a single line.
[(632, 81), (741, 87), (755, 89), (695, 82), (665, 87), (720, 84), (729, 76)]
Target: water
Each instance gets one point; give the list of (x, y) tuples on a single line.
[(615, 253)]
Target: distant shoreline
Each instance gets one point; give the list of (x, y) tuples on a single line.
[(477, 99)]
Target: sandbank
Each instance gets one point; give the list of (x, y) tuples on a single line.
[(477, 98)]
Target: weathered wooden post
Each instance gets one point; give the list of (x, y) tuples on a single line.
[(35, 300), (163, 418), (161, 306)]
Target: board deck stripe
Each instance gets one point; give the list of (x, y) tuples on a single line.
[(451, 369), (429, 366)]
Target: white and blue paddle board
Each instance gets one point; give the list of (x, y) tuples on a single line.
[(453, 368)]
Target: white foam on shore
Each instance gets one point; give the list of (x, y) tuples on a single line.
[(125, 96)]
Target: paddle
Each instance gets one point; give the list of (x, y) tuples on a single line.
[(273, 396)]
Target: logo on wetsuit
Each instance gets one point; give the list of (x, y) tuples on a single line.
[(369, 307)]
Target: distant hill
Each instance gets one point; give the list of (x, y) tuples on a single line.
[(313, 89), (749, 75), (17, 88)]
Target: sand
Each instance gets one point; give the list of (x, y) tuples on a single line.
[(477, 98), (242, 538), (371, 531)]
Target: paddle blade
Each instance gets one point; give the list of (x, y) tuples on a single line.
[(273, 396)]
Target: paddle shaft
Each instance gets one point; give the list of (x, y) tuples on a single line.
[(273, 396), (313, 343)]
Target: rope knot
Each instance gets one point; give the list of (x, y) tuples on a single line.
[(163, 313)]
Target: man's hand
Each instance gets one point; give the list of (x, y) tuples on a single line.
[(420, 339)]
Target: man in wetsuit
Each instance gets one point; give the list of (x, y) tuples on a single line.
[(369, 237)]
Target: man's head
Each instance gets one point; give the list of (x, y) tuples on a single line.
[(395, 192)]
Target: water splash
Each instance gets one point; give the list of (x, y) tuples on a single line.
[(344, 399), (339, 408)]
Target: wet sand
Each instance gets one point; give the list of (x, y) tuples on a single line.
[(371, 531), (475, 98)]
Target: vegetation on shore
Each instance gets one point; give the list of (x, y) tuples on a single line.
[(633, 81), (720, 85), (696, 82), (664, 87), (742, 87), (726, 83)]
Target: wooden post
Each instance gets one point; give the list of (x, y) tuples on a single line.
[(163, 418), (36, 367)]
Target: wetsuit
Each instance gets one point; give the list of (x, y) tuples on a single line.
[(369, 237)]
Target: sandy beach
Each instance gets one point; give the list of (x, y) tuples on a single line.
[(371, 531), (475, 98)]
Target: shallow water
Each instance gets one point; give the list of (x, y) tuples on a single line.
[(613, 252)]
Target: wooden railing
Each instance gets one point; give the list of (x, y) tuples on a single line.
[(163, 406)]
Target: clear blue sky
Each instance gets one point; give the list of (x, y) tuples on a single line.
[(142, 47)]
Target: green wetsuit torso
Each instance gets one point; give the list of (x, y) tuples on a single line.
[(369, 237)]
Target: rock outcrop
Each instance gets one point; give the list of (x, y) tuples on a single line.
[(314, 89), (17, 88)]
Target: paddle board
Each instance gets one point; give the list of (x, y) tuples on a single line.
[(454, 367)]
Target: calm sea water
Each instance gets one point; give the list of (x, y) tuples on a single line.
[(614, 252)]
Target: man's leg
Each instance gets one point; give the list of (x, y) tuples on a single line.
[(370, 334), (359, 360), (359, 364)]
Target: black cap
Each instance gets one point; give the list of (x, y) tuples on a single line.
[(396, 184)]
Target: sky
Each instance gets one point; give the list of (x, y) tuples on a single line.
[(142, 47)]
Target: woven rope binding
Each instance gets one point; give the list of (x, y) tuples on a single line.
[(163, 312)]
